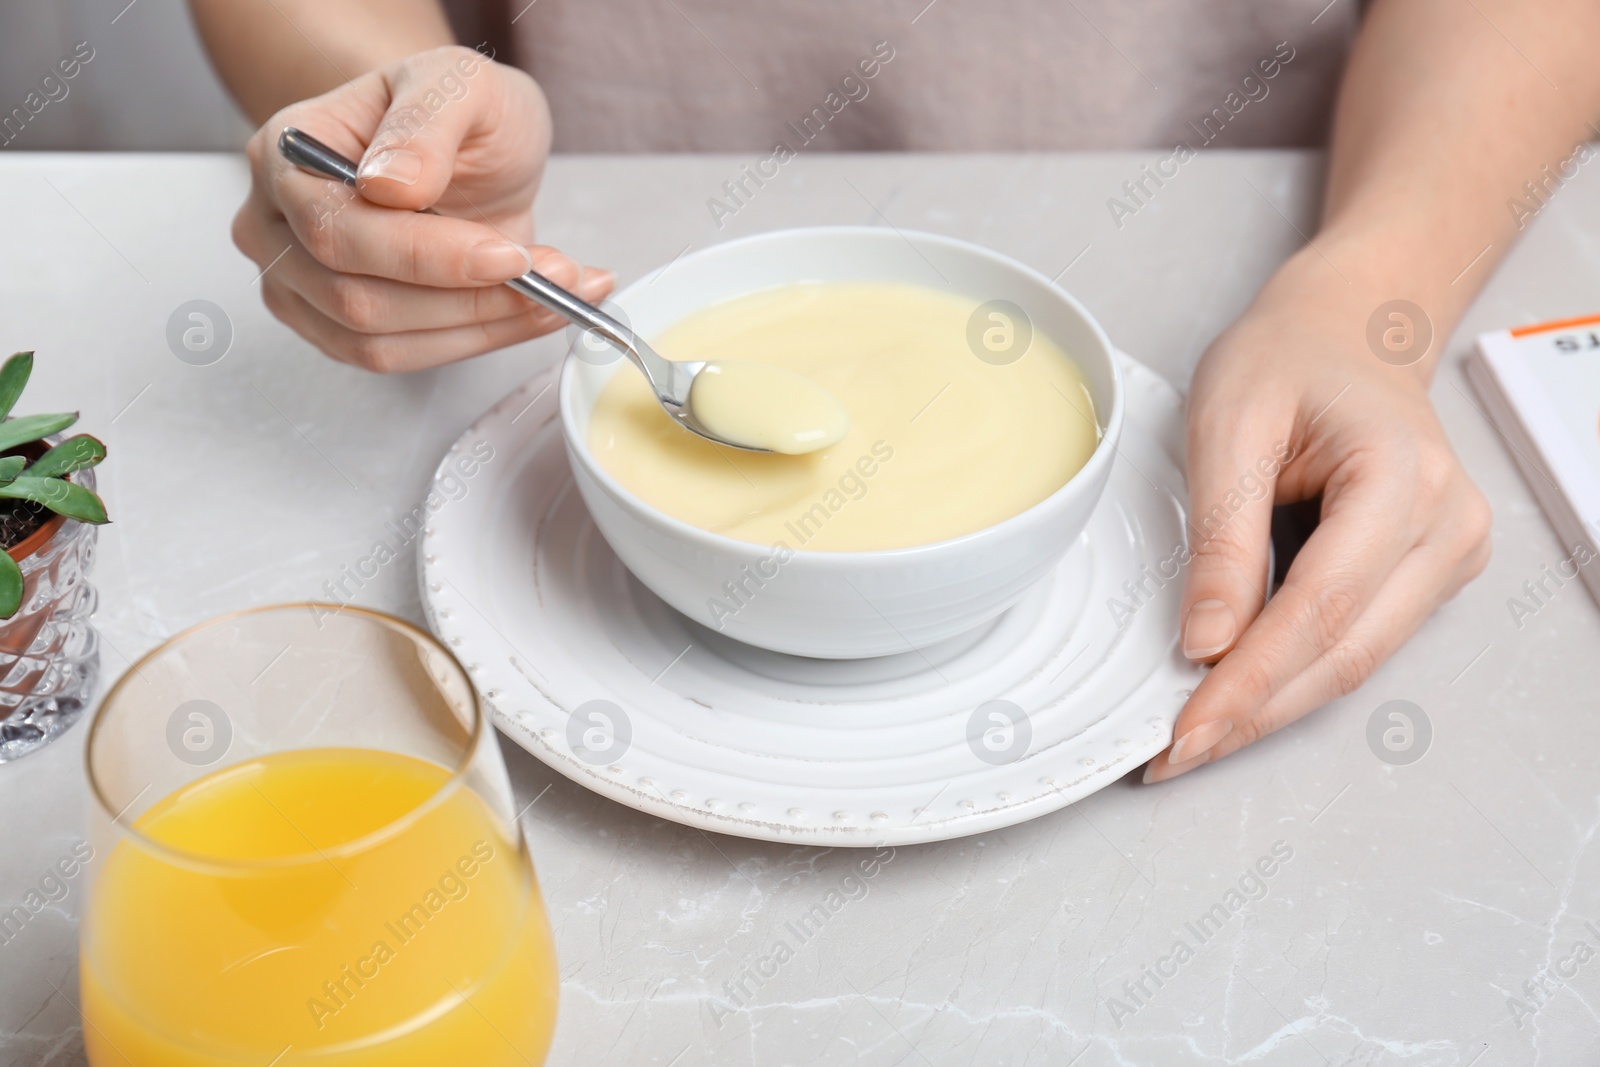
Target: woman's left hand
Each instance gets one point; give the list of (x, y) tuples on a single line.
[(1287, 405)]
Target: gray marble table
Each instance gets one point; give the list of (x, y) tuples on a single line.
[(1406, 907)]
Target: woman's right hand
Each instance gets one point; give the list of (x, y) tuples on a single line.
[(359, 273)]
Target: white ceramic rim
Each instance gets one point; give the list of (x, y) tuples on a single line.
[(1157, 697), (1104, 453)]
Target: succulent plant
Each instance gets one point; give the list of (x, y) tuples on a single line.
[(42, 481)]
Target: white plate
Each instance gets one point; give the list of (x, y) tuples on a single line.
[(593, 674)]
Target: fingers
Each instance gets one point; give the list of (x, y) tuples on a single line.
[(1232, 477), (435, 250), (407, 123), (411, 156), (1427, 577), (345, 233), (389, 353), (380, 305), (342, 118), (1455, 552), (1348, 605), (1362, 537), (360, 272), (383, 324)]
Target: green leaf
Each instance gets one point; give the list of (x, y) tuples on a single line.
[(60, 496), (20, 431), (13, 377), (10, 586), (11, 466), (75, 453)]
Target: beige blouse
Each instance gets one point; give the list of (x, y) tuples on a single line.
[(751, 75)]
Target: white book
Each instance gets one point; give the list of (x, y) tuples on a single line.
[(1541, 386)]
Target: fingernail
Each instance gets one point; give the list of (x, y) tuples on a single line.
[(1211, 628), (498, 261), (1160, 770), (1200, 740), (396, 164), (595, 282)]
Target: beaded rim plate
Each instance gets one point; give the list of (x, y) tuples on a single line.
[(1075, 686)]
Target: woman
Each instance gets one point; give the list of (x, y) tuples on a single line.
[(1442, 112)]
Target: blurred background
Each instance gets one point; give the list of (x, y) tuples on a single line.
[(148, 86)]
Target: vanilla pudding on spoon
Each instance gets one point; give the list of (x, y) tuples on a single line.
[(937, 443), (759, 405)]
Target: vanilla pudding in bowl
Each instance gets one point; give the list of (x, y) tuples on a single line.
[(983, 409)]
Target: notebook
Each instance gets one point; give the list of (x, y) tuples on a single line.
[(1541, 387)]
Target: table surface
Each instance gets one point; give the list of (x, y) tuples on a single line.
[(1417, 900)]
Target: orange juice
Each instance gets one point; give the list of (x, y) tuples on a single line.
[(333, 906)]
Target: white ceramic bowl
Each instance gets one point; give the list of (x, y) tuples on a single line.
[(845, 605)]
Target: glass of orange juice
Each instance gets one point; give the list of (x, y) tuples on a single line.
[(308, 854)]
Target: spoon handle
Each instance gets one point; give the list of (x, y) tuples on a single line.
[(308, 153), (548, 294)]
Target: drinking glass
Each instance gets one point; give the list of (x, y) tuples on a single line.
[(307, 854)]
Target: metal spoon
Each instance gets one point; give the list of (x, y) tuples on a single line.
[(669, 379)]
